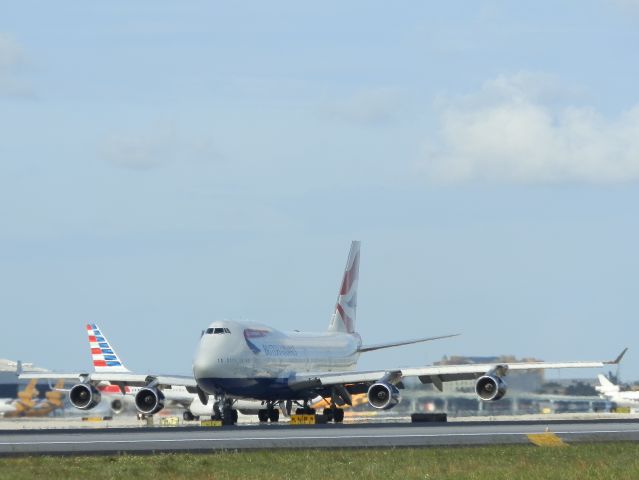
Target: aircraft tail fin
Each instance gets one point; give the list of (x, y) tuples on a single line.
[(343, 319), (104, 357), (606, 386)]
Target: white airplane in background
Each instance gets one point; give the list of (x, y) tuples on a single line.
[(612, 392), (244, 360)]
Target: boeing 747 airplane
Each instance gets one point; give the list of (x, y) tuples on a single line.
[(244, 360)]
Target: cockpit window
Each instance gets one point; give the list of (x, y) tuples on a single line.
[(217, 330)]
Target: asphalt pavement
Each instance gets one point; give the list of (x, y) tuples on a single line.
[(208, 439)]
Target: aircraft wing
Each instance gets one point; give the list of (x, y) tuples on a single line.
[(122, 379), (435, 374)]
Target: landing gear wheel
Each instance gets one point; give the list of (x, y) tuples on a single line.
[(338, 415), (229, 416), (273, 415), (328, 413), (262, 415), (217, 414), (188, 416)]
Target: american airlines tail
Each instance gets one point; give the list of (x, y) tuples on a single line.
[(343, 320), (104, 357)]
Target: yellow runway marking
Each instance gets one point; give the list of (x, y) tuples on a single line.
[(303, 419), (211, 423), (547, 439)]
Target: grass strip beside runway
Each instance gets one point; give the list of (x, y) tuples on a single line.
[(578, 462)]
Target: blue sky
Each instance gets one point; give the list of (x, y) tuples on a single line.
[(166, 164)]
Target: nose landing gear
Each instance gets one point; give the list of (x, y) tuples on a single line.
[(223, 410)]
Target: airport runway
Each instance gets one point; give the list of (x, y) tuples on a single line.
[(201, 439)]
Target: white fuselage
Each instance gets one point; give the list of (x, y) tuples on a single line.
[(623, 399), (251, 360)]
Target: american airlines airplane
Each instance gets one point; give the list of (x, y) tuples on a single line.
[(244, 360)]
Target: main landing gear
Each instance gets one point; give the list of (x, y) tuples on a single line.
[(334, 414), (268, 414), (331, 414)]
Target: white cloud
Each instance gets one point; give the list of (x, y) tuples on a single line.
[(12, 60), (512, 130)]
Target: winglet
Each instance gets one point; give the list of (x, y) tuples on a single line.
[(617, 360)]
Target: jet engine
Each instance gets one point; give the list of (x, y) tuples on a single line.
[(84, 396), (149, 400), (490, 387), (383, 396)]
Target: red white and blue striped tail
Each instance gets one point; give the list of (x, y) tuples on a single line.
[(104, 357), (343, 320)]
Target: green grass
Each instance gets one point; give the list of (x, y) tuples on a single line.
[(579, 462)]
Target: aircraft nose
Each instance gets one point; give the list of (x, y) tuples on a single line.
[(202, 361)]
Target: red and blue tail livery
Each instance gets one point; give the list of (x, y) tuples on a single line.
[(104, 357)]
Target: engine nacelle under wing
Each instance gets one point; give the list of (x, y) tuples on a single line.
[(490, 387), (383, 396), (84, 396), (149, 400)]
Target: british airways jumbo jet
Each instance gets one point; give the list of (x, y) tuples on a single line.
[(244, 360)]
